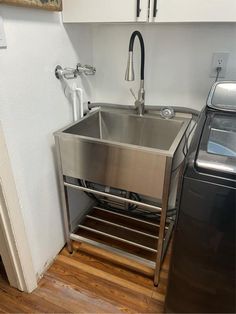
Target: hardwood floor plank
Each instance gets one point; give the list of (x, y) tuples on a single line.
[(102, 274), (25, 303), (102, 288), (156, 306), (12, 304), (118, 232), (115, 279), (89, 281), (72, 299), (118, 270), (113, 258), (117, 244), (110, 268)]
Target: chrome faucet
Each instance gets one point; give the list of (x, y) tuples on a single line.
[(129, 75)]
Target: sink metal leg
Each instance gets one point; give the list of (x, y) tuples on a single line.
[(66, 215), (64, 200), (165, 202)]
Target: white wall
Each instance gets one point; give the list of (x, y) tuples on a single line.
[(32, 107), (178, 60)]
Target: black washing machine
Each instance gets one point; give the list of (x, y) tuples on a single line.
[(202, 271)]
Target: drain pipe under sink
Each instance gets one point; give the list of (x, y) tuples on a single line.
[(76, 90)]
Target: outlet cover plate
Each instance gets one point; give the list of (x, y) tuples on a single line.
[(219, 59)]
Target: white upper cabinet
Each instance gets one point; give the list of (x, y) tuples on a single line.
[(193, 11), (113, 11), (154, 11)]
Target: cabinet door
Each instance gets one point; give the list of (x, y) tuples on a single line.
[(193, 11), (95, 11)]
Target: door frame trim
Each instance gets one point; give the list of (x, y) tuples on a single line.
[(15, 249)]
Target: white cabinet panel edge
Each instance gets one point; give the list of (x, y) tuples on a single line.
[(196, 11), (169, 11), (103, 11)]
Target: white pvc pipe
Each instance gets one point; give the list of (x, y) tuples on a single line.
[(81, 102), (75, 115)]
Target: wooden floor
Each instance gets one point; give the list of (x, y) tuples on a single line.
[(85, 283)]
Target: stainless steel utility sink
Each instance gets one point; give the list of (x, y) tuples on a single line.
[(145, 131), (122, 150)]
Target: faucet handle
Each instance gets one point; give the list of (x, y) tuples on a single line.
[(132, 92)]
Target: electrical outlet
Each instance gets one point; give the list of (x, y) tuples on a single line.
[(219, 59)]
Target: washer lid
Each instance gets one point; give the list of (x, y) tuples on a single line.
[(217, 149), (223, 96)]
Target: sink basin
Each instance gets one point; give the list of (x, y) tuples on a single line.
[(123, 150), (145, 131)]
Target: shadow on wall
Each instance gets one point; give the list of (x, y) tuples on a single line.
[(178, 61), (3, 273), (31, 15), (81, 35), (78, 202)]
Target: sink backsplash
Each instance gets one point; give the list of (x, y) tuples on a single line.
[(178, 61)]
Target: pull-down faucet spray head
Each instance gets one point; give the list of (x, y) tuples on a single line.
[(129, 74)]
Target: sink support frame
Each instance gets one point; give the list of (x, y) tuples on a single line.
[(165, 203), (164, 231)]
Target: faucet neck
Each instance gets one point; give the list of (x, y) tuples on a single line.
[(131, 48), (129, 75)]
